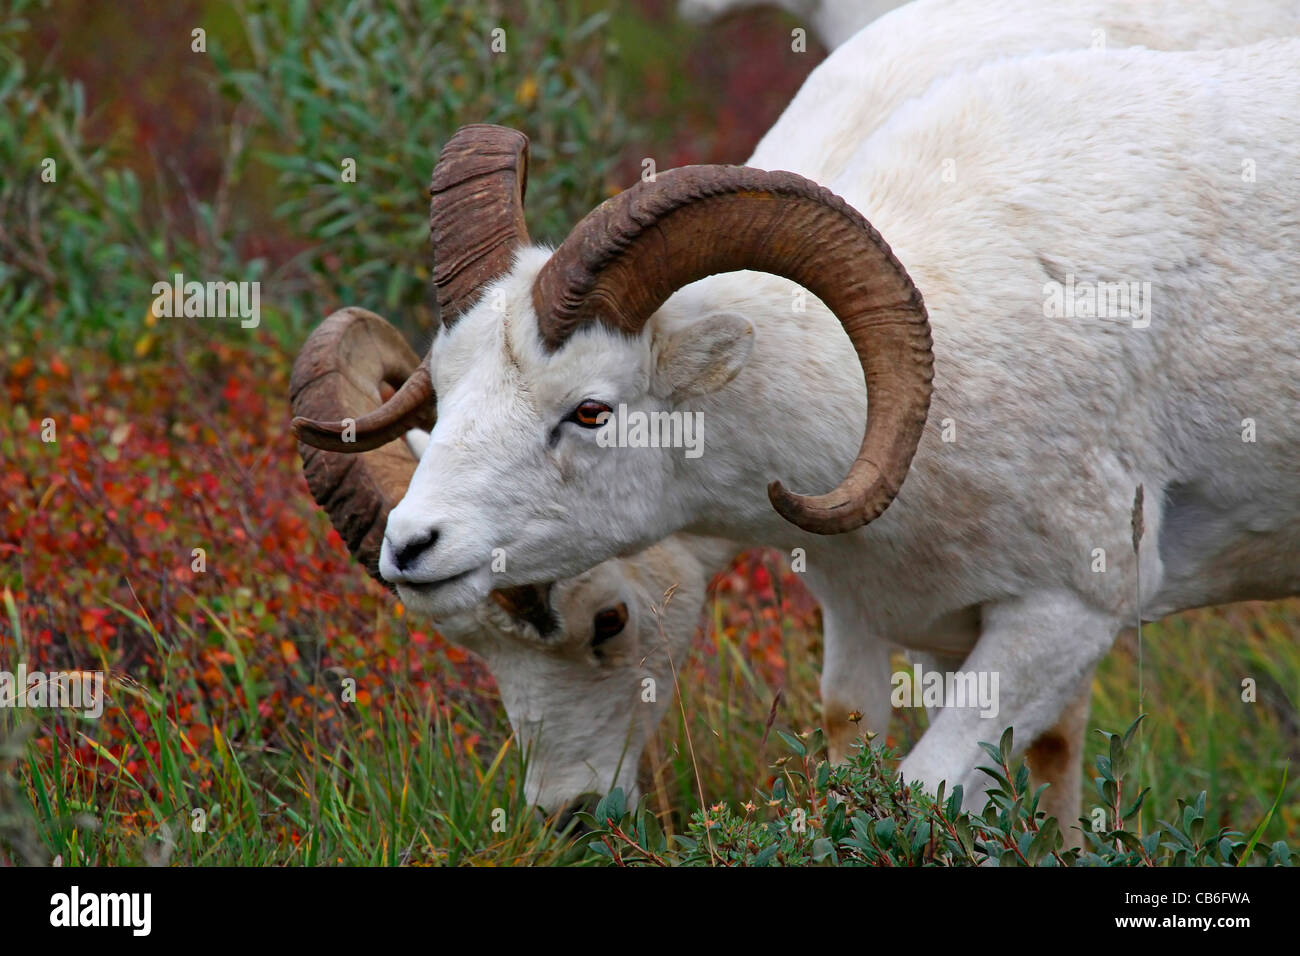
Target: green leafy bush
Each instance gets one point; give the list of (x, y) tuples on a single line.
[(80, 248), (385, 85), (860, 813), (309, 85)]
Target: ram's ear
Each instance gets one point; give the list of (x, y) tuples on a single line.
[(703, 356)]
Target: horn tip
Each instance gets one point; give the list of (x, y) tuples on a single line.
[(811, 514), (301, 424), (304, 429), (323, 435)]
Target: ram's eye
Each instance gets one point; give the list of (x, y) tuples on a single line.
[(590, 414), (609, 622)]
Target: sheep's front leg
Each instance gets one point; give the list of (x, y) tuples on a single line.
[(1040, 650), (854, 686), (1055, 757)]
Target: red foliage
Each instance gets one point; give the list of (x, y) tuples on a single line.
[(172, 498)]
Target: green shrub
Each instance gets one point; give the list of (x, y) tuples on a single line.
[(79, 246), (386, 85), (309, 85), (860, 813)]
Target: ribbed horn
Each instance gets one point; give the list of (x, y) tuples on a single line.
[(632, 252)]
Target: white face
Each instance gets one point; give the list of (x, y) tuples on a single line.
[(584, 700), (513, 488)]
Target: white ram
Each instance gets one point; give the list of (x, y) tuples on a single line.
[(580, 601), (1173, 169)]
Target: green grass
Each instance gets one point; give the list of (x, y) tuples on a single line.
[(392, 784), (389, 784), (1200, 734)]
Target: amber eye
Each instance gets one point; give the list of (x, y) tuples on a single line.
[(609, 622), (590, 414)]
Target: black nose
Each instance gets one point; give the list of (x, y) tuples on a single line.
[(407, 554)]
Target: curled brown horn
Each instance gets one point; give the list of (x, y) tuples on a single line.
[(476, 220), (347, 363), (476, 212), (344, 367), (632, 252), (354, 356), (411, 406)]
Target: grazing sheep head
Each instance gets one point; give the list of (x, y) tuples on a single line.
[(538, 349), (585, 697)]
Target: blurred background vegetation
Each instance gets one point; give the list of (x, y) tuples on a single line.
[(226, 164)]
